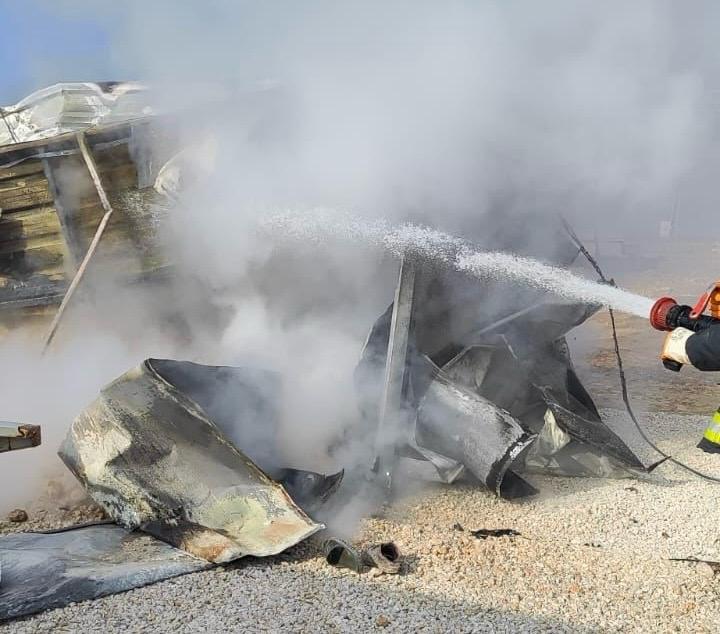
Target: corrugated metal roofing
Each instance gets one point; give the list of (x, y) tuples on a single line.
[(69, 107)]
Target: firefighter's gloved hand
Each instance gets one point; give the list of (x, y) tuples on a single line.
[(674, 346)]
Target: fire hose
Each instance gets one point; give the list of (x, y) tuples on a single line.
[(656, 318)]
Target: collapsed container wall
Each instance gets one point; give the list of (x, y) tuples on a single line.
[(50, 210)]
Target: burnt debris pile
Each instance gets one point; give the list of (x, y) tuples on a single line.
[(476, 377)]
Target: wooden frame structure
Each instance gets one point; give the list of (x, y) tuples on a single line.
[(51, 207)]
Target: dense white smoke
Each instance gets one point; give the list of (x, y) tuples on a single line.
[(452, 114), (445, 110)]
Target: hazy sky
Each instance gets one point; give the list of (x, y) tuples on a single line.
[(577, 105), (38, 47)]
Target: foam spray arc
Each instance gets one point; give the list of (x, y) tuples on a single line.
[(323, 225)]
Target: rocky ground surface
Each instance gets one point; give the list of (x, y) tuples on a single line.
[(592, 555)]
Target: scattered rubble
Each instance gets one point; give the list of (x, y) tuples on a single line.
[(385, 557), (18, 516), (484, 533)]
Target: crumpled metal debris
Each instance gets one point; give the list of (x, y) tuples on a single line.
[(71, 106), (43, 571), (385, 557), (462, 425), (148, 451), (489, 386), (308, 489), (341, 554)]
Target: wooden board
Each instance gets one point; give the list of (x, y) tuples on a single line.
[(24, 192), (33, 166), (35, 263)]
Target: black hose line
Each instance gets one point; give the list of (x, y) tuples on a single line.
[(621, 370)]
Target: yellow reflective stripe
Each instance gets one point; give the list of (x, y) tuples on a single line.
[(712, 433), (716, 417)]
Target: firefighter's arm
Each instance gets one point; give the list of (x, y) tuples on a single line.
[(701, 349)]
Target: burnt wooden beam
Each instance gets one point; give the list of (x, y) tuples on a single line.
[(14, 436), (95, 175), (65, 205), (140, 149)]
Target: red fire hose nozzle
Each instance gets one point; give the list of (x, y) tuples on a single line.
[(659, 313)]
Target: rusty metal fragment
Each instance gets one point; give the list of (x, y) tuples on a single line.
[(340, 554), (13, 436), (385, 557), (153, 459)]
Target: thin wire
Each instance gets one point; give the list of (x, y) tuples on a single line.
[(621, 370), (7, 125)]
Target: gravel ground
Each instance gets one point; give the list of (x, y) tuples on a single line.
[(593, 555)]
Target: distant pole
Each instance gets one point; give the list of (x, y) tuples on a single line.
[(673, 225)]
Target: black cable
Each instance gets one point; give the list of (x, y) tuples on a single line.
[(621, 370)]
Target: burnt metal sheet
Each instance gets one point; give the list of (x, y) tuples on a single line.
[(43, 571), (71, 106), (241, 402), (308, 489), (393, 416), (518, 363), (153, 458), (14, 436), (528, 386), (466, 427), (555, 451)]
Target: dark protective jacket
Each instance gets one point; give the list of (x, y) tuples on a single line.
[(703, 348)]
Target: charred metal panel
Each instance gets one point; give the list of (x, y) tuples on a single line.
[(393, 418), (241, 402), (43, 571), (468, 428), (152, 458)]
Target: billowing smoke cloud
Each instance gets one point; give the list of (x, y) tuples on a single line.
[(453, 114), (446, 111)]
